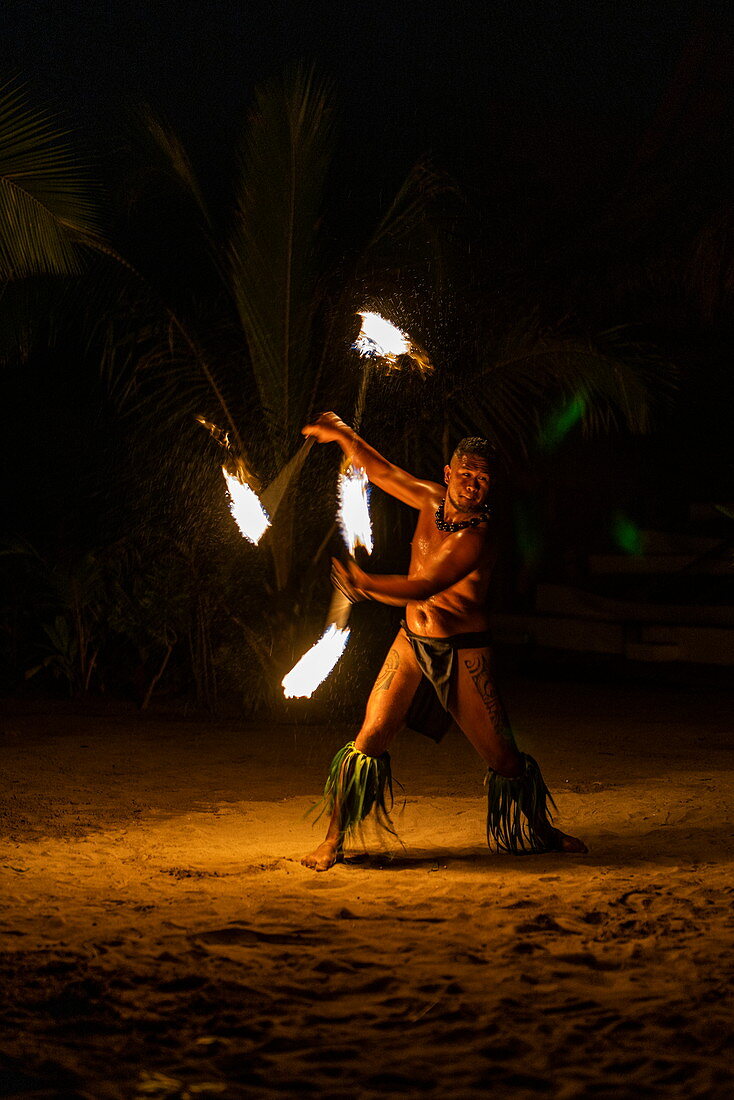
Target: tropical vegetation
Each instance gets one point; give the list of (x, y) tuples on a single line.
[(244, 311)]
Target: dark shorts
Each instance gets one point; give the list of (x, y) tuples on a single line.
[(428, 712)]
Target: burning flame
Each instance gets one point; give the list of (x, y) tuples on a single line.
[(316, 664), (379, 339), (245, 506), (354, 512)]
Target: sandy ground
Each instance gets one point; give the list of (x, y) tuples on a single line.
[(159, 937)]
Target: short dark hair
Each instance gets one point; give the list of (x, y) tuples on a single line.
[(475, 445)]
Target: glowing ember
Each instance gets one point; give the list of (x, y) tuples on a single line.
[(379, 339), (245, 506), (354, 512), (315, 666)]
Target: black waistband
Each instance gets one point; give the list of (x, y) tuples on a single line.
[(472, 639)]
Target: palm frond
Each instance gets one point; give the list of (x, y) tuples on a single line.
[(47, 206), (534, 385), (274, 245), (421, 189), (177, 160)]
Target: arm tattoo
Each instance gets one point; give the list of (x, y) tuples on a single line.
[(478, 669), (387, 673)]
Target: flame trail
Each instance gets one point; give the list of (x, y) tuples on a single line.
[(354, 510), (245, 506), (316, 664)]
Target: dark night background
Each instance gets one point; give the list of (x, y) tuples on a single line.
[(592, 148), (452, 79)]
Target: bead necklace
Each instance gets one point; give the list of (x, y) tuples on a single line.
[(446, 525)]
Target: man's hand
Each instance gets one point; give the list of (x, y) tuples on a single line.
[(328, 428), (347, 579)]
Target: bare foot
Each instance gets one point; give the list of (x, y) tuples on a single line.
[(562, 842), (324, 857)]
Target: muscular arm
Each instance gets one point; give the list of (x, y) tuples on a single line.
[(388, 477), (459, 556)]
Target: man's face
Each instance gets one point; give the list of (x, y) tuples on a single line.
[(468, 480)]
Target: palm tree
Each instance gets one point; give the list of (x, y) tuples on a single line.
[(252, 343), (47, 205)]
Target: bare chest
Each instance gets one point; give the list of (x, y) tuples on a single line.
[(427, 541)]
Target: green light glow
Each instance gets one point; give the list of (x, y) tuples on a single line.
[(561, 422), (626, 534)]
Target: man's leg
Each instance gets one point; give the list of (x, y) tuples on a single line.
[(387, 707), (514, 777)]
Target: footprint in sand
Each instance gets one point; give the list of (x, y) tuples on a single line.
[(543, 922), (594, 917), (241, 934), (585, 958)]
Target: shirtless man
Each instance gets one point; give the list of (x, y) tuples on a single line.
[(443, 645)]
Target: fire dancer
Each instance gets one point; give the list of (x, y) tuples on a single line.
[(440, 666)]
